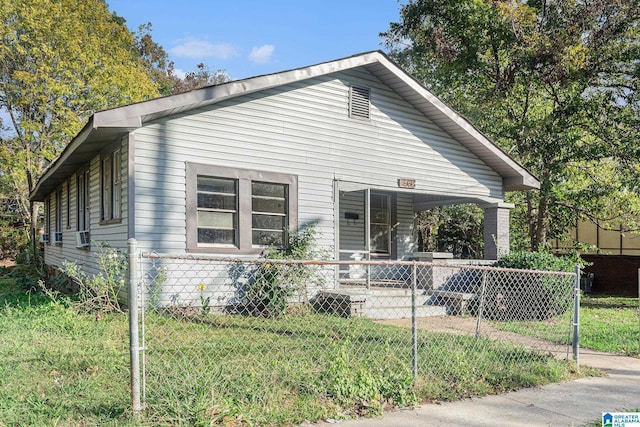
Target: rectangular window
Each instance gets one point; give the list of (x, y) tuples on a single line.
[(82, 198), (268, 214), (238, 210), (46, 236), (380, 230), (68, 200), (111, 182), (57, 236), (217, 210)]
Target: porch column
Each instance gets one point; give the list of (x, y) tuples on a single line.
[(496, 230)]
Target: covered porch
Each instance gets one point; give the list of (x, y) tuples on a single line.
[(379, 224)]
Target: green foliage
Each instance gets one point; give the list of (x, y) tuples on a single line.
[(162, 70), (60, 60), (544, 261), (98, 293), (205, 302), (608, 324), (526, 297), (457, 229), (371, 388), (555, 84), (62, 367), (14, 236), (273, 284)]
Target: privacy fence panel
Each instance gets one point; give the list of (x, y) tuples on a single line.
[(221, 334)]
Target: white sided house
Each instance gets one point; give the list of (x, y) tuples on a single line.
[(353, 146)]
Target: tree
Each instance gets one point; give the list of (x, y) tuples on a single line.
[(60, 60), (553, 82), (162, 69), (456, 228)]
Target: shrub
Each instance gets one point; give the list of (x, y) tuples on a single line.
[(98, 293), (272, 285), (521, 296), (543, 261)]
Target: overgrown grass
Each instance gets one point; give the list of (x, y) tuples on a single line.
[(608, 324), (59, 367), (316, 366)]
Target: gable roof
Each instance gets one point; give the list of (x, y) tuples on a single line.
[(106, 126)]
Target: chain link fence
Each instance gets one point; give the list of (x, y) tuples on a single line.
[(214, 331)]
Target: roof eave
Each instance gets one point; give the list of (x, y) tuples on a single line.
[(515, 176), (121, 120)]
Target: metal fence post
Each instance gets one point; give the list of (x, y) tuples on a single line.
[(133, 326), (639, 310), (414, 322), (483, 288), (576, 316)]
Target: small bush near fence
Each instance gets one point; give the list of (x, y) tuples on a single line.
[(545, 299)]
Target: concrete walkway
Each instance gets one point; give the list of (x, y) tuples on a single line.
[(572, 403)]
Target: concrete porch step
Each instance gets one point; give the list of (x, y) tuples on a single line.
[(404, 312), (379, 303)]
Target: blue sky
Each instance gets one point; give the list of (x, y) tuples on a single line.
[(252, 37)]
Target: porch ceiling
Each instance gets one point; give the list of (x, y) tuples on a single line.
[(428, 201), (423, 200)]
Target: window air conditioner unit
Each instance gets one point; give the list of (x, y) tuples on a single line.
[(44, 238), (57, 238), (82, 239)]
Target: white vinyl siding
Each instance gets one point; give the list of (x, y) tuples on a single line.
[(406, 238), (300, 129), (113, 234)]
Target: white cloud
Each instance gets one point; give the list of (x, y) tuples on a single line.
[(262, 54), (195, 48), (179, 73)]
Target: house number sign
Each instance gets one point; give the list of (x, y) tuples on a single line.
[(407, 183)]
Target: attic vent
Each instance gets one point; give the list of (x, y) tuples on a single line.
[(359, 102)]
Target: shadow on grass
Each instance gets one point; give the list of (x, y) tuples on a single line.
[(609, 302)]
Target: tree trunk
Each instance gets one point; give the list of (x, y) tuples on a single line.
[(541, 223), (34, 232), (531, 220)]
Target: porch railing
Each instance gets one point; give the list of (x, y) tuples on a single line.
[(356, 271)]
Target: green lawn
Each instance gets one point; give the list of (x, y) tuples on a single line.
[(608, 324), (59, 367)]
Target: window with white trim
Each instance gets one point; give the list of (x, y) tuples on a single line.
[(111, 172), (238, 210)]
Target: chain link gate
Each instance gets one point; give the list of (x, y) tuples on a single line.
[(214, 329)]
